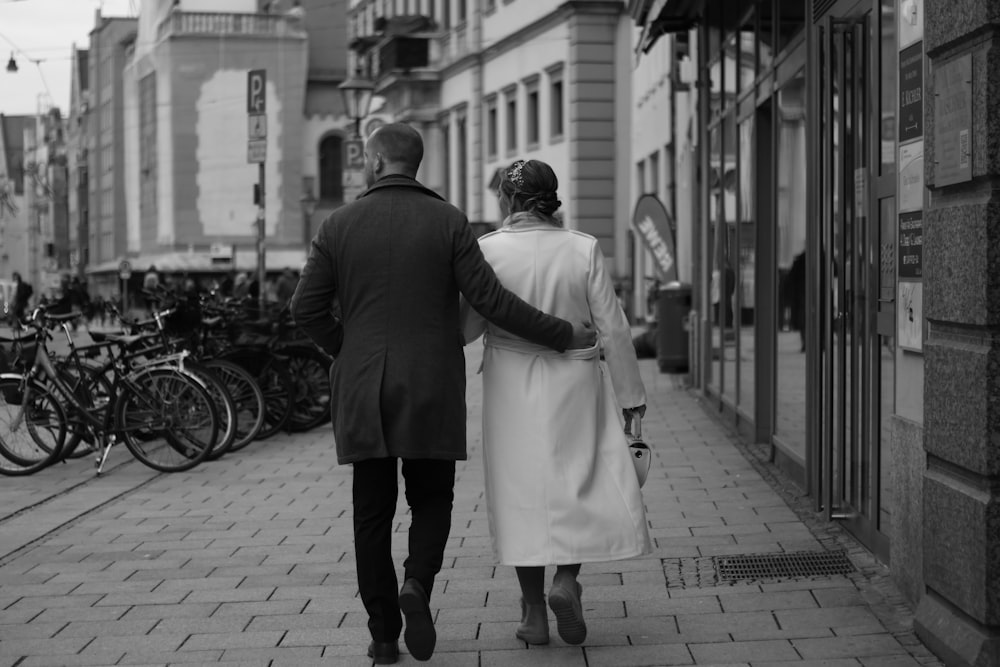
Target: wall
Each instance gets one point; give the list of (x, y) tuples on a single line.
[(206, 130), (508, 70)]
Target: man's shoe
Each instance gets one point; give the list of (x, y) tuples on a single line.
[(384, 653), (419, 636)]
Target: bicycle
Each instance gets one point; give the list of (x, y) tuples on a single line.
[(164, 415)]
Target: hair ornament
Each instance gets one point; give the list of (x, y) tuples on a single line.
[(514, 173)]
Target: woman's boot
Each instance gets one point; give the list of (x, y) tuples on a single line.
[(534, 628)]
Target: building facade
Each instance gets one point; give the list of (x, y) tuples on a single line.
[(164, 122), (77, 161), (16, 132), (488, 83), (823, 329), (111, 42)]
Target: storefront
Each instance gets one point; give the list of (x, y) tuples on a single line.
[(825, 328)]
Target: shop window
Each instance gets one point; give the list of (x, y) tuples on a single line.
[(791, 22), (747, 42), (790, 216), (888, 61)]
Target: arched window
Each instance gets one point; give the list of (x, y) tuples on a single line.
[(331, 170)]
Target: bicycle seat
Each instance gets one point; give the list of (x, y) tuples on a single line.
[(102, 336), (63, 317), (211, 321), (123, 339), (26, 337)]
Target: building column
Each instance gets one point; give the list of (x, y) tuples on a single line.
[(959, 615), (590, 87)]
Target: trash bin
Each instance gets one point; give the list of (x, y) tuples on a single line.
[(673, 307)]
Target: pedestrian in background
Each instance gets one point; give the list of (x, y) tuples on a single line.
[(561, 488), (150, 284), (286, 287), (22, 296), (397, 259)]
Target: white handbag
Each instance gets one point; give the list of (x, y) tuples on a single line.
[(642, 457)]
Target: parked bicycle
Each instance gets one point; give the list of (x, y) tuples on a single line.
[(164, 415)]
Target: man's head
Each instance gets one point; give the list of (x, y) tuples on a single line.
[(395, 148)]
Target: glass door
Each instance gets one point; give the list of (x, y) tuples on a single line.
[(847, 465)]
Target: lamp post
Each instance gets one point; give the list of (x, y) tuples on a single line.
[(308, 203), (357, 92)]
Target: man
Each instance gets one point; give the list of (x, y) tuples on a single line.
[(396, 260)]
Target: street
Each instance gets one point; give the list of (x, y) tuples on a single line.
[(249, 561)]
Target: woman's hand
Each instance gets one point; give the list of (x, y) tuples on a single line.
[(629, 413)]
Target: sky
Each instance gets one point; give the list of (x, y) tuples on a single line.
[(45, 31)]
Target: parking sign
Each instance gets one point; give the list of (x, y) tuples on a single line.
[(354, 154), (256, 91)]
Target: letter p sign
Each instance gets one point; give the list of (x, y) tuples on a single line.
[(256, 91), (354, 154)]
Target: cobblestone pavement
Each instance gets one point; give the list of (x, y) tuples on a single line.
[(249, 561)]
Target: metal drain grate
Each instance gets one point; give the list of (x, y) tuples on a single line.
[(783, 566)]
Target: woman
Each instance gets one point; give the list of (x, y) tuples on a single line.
[(560, 486)]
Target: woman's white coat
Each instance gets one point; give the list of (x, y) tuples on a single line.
[(560, 484)]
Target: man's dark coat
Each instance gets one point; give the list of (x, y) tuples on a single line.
[(396, 260)]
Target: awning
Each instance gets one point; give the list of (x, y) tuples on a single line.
[(203, 262), (668, 16)]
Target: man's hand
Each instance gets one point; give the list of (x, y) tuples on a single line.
[(584, 336)]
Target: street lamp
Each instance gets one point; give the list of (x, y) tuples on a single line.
[(357, 92), (308, 203)]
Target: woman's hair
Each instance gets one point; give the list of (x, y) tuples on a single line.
[(531, 186)]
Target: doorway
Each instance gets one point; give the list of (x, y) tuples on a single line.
[(846, 359)]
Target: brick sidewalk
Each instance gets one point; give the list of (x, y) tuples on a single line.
[(249, 561)]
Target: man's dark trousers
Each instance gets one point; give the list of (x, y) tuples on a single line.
[(430, 490)]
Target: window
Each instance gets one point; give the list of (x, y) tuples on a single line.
[(446, 148), (489, 5), (531, 120), (654, 172), (461, 11), (462, 200), (556, 103), (510, 113), (492, 127), (331, 173)]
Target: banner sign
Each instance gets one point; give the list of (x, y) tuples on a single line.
[(655, 227)]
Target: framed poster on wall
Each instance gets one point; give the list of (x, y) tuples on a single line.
[(910, 317)]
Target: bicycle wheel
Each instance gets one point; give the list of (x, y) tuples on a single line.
[(273, 379), (32, 427), (224, 405), (310, 370), (94, 391), (247, 397), (167, 419)]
